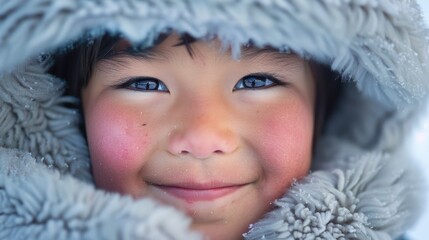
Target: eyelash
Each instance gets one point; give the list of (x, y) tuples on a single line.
[(255, 81), (144, 84), (250, 82)]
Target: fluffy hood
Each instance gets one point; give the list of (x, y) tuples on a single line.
[(362, 186)]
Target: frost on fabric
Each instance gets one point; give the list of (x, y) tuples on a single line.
[(34, 204), (334, 32), (36, 118), (374, 200)]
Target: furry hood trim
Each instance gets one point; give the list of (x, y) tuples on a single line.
[(381, 45), (362, 187)]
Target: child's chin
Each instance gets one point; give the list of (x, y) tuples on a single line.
[(222, 230), (227, 222)]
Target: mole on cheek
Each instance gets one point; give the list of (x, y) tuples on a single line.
[(117, 137)]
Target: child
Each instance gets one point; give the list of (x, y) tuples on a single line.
[(203, 119)]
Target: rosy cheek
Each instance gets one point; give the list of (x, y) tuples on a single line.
[(285, 146), (116, 136)]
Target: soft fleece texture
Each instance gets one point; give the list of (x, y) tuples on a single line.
[(362, 186)]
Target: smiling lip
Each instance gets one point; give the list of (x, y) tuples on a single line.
[(197, 192)]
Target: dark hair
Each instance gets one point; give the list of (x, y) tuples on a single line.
[(76, 66)]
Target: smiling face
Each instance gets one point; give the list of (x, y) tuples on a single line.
[(215, 137)]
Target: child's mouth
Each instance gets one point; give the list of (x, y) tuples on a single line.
[(194, 192)]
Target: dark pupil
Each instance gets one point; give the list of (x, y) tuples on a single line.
[(147, 85), (253, 83)]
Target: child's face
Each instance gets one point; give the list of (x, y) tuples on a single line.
[(213, 136)]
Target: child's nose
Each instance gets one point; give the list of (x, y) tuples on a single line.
[(203, 134)]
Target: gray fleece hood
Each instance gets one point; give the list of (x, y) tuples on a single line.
[(362, 186)]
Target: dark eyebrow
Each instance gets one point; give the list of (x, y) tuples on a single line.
[(248, 52), (146, 54), (117, 55), (123, 48)]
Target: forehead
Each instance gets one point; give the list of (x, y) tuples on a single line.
[(172, 45)]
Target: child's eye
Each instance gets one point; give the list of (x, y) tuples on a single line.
[(144, 84), (257, 81)]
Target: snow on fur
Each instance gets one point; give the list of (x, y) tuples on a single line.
[(35, 204), (365, 202), (34, 117), (358, 38)]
